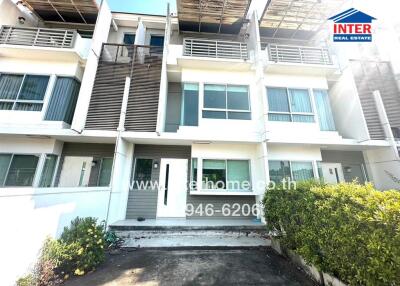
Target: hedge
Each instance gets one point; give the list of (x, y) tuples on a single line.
[(348, 230)]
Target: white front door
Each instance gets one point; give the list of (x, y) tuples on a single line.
[(75, 171), (333, 173), (172, 188)]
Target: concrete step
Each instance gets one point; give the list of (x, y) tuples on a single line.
[(194, 238)]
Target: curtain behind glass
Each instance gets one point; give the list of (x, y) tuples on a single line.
[(300, 100), (238, 174), (324, 110), (214, 174), (9, 86), (34, 87), (302, 171), (277, 99), (48, 171), (22, 171), (4, 163), (63, 100), (105, 172)]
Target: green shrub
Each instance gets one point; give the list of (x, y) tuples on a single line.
[(351, 231)]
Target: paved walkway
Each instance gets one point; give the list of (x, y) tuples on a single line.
[(195, 267)]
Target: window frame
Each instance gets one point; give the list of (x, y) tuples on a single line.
[(226, 110), (291, 113), (17, 100), (157, 35), (133, 176), (313, 166), (56, 166), (200, 188), (100, 169), (38, 168), (128, 33)]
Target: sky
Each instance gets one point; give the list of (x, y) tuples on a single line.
[(154, 7)]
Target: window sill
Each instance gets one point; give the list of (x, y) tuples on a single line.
[(221, 193)]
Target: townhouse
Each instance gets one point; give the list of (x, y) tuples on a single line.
[(94, 103)]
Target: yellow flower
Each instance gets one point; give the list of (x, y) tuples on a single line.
[(89, 230), (95, 236), (80, 251), (101, 246), (66, 276), (79, 272)]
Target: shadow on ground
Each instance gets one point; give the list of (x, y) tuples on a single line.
[(195, 267)]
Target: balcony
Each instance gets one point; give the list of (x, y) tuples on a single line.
[(210, 54), (308, 59), (42, 43)]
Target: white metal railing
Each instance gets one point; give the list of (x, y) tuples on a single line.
[(299, 54), (214, 49), (40, 37)]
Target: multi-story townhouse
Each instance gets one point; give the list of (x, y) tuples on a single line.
[(95, 103)]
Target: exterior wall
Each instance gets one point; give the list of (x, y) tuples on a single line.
[(350, 159), (9, 14)]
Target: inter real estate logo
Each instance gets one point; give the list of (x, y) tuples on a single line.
[(352, 26)]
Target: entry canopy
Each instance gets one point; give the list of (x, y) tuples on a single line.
[(296, 19), (65, 11), (212, 16)]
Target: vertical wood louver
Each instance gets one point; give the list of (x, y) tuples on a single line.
[(370, 76), (115, 64), (144, 90)]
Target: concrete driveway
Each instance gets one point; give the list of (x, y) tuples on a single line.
[(195, 267)]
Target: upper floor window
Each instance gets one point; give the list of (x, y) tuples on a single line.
[(226, 102), (129, 39), (324, 111), (22, 92), (157, 41), (291, 105), (17, 170)]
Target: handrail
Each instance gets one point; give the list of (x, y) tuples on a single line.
[(123, 53), (37, 37), (299, 54), (193, 47)]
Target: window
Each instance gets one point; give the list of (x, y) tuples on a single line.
[(190, 98), (157, 41), (129, 39), (22, 92), (396, 132), (48, 171), (105, 172), (17, 170), (291, 105), (226, 102), (194, 174), (324, 111), (231, 175), (143, 170), (63, 100), (295, 170)]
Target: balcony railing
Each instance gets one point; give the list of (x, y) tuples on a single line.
[(37, 37), (299, 54), (214, 49)]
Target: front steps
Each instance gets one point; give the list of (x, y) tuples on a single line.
[(192, 236)]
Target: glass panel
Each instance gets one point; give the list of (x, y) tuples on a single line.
[(238, 97), (4, 163), (157, 41), (48, 171), (6, 105), (278, 99), (34, 87), (22, 170), (324, 111), (105, 171), (320, 173), (9, 86), (279, 117), (300, 100), (28, 106), (143, 170), (194, 174), (303, 118), (214, 114), (63, 100), (214, 96), (214, 174), (238, 175), (190, 104), (129, 39), (239, 115), (279, 170), (302, 171)]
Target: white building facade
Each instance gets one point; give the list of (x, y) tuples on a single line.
[(96, 103)]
